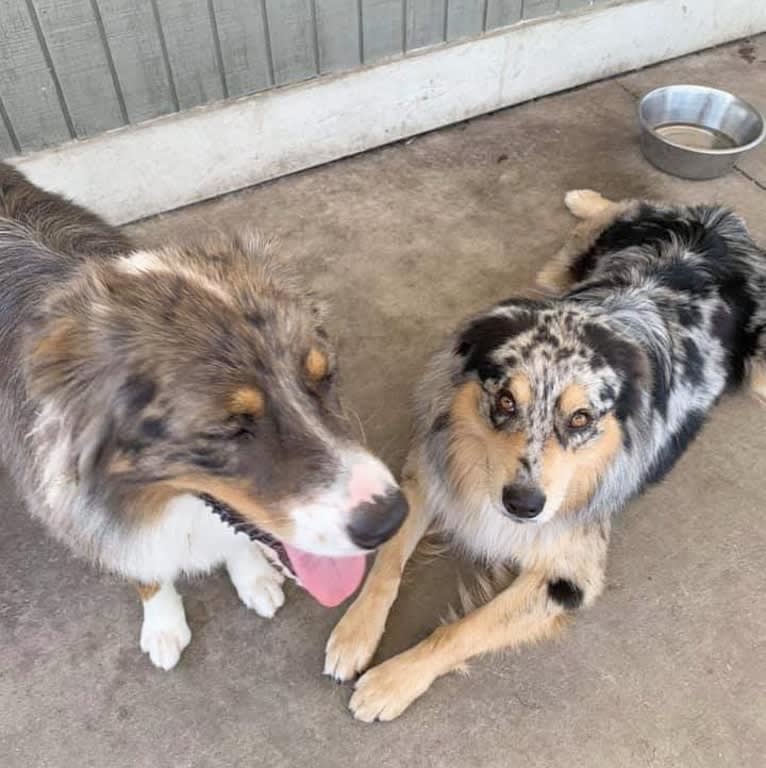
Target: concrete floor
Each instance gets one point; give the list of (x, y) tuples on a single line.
[(669, 668)]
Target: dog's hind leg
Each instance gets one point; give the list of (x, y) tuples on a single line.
[(164, 632), (356, 637), (536, 605), (586, 203)]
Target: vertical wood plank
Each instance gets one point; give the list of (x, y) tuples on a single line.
[(501, 13), (83, 66), (142, 71), (192, 51), (425, 23), (382, 28), (571, 5), (244, 46), (8, 145), (29, 92), (533, 9), (338, 26), (293, 42), (465, 18)]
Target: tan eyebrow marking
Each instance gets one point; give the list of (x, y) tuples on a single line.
[(246, 400), (317, 364), (573, 398)]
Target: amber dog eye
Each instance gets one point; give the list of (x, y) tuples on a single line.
[(580, 420), (505, 403)]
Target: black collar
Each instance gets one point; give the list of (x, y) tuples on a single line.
[(233, 519)]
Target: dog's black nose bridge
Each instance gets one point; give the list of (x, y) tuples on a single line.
[(376, 521)]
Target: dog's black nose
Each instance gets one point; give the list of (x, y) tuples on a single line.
[(378, 520), (523, 501)]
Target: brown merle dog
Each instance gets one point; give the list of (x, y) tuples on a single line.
[(539, 420), (146, 394)]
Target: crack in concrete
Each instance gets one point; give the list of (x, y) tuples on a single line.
[(755, 181), (627, 90)]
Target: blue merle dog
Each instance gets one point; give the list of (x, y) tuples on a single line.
[(540, 419)]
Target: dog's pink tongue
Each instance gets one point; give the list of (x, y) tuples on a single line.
[(330, 580)]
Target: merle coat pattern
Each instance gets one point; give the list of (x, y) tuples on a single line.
[(539, 419), (143, 390)]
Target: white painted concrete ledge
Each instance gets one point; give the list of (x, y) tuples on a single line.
[(167, 163)]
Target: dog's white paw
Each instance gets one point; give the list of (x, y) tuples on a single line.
[(165, 646), (585, 203), (263, 593), (258, 585), (164, 633)]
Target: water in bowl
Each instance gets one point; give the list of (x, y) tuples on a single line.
[(695, 136)]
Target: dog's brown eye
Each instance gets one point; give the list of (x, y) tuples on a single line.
[(505, 403), (580, 420)]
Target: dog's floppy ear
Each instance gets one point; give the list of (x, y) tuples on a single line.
[(481, 336), (54, 356), (59, 375), (98, 441), (93, 399)]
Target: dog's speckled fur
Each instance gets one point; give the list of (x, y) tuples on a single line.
[(540, 419), (135, 382)]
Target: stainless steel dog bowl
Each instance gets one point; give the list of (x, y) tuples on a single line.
[(697, 132)]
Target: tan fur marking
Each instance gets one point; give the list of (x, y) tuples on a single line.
[(57, 342), (354, 640), (574, 475), (119, 465), (316, 364), (573, 398), (554, 276), (146, 505), (147, 591), (520, 614), (481, 459), (586, 203), (520, 389), (758, 380), (238, 498), (246, 401)]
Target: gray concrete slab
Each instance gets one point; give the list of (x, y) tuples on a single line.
[(668, 669)]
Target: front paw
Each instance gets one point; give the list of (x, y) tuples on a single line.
[(353, 642), (258, 584), (263, 593), (164, 641), (387, 690)]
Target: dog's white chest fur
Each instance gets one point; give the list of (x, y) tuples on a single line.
[(486, 533)]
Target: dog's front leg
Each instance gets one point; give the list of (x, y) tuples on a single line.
[(164, 632), (533, 608), (357, 635)]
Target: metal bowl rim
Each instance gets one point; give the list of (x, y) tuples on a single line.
[(716, 152)]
